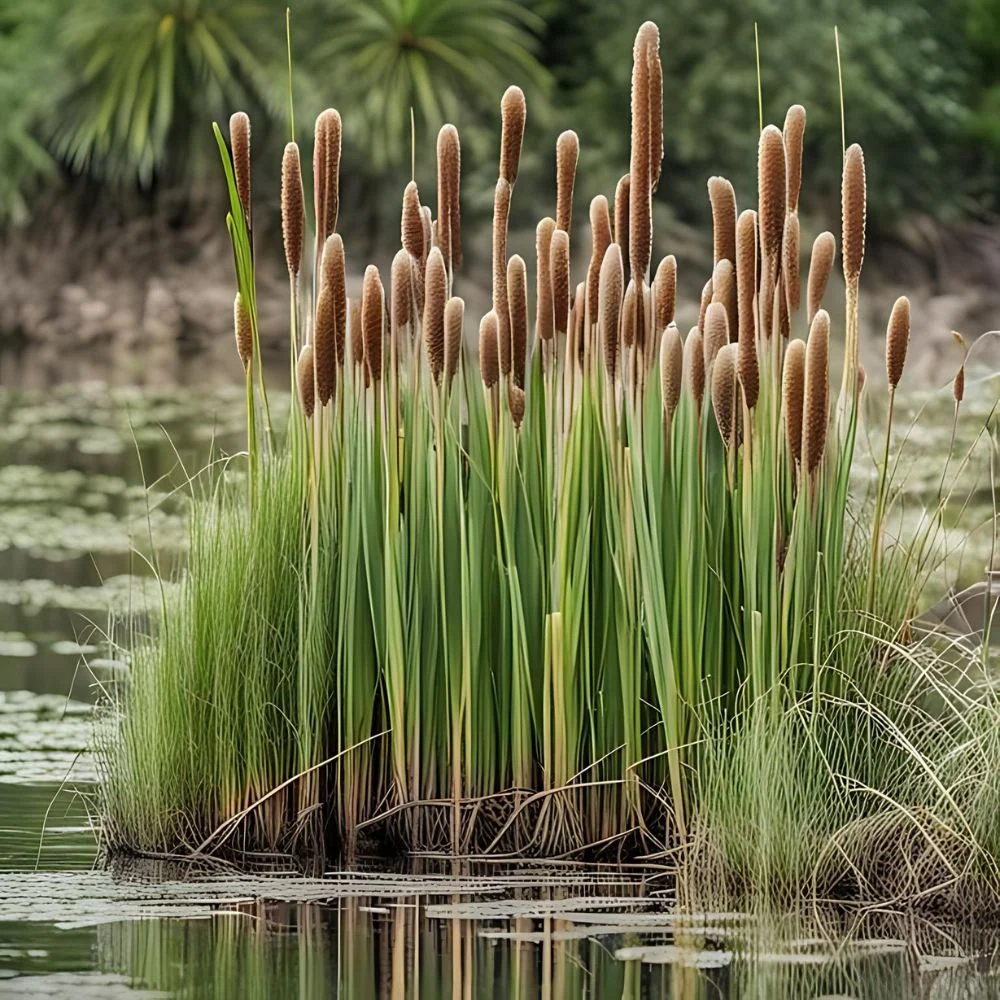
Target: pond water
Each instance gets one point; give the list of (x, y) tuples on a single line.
[(77, 532)]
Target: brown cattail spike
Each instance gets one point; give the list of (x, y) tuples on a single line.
[(567, 155), (724, 391), (517, 301), (489, 360), (640, 165), (293, 212), (501, 214), (454, 320), (326, 172), (724, 292), (515, 401), (621, 215), (853, 210), (897, 339), (771, 196), (629, 315), (815, 406), (449, 170), (401, 309), (357, 340), (715, 332), (244, 331), (600, 232), (411, 224), (612, 280), (544, 317), (706, 298), (723, 200), (694, 365), (746, 289), (794, 135), (239, 139), (325, 345), (655, 110), (820, 265), (671, 369), (435, 295), (790, 264), (560, 279), (664, 294), (372, 321), (793, 382), (513, 112), (958, 386), (305, 376)]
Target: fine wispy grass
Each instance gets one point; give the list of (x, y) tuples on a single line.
[(604, 590)]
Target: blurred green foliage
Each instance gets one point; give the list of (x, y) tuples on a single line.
[(122, 93)]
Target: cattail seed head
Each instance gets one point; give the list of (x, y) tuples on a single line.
[(646, 48), (794, 135), (600, 232), (655, 109), (706, 298), (723, 200), (449, 171), (621, 214), (515, 401), (435, 295), (694, 365), (567, 155), (239, 140), (820, 265), (612, 280), (400, 295), (715, 332), (790, 264), (793, 383), (334, 279), (853, 209), (489, 359), (501, 214), (454, 320), (411, 223), (771, 194), (664, 293), (305, 376), (629, 311), (958, 385), (357, 339), (746, 290), (724, 292), (326, 171), (671, 368), (430, 229), (560, 279), (577, 339), (325, 346), (544, 316), (815, 406), (293, 212), (724, 391), (517, 302), (244, 331), (372, 321), (897, 339), (513, 112)]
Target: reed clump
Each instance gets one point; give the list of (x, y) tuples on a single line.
[(505, 600)]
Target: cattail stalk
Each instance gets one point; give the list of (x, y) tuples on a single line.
[(244, 332), (373, 322), (306, 379), (239, 139), (771, 198), (724, 292), (513, 112), (723, 200), (612, 279), (852, 242), (664, 294), (560, 280), (794, 136), (694, 365), (793, 382), (293, 213), (326, 179), (435, 296), (449, 217), (671, 370), (790, 279), (724, 392), (824, 249), (501, 214), (715, 332), (816, 401), (544, 315), (640, 180), (567, 156), (621, 212), (600, 235), (454, 321)]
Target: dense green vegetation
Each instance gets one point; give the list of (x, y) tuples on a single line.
[(119, 93), (604, 591)]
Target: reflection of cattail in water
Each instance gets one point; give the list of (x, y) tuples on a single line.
[(600, 234), (513, 112), (559, 258), (239, 139), (793, 382), (815, 405), (794, 136), (820, 265), (489, 362), (517, 301), (567, 155), (746, 289), (671, 369), (307, 387), (372, 322), (610, 307), (694, 365), (724, 392), (435, 294), (544, 316), (454, 319), (449, 169), (244, 331), (293, 213), (664, 294)]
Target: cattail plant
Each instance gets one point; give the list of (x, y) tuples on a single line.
[(664, 293), (489, 358), (694, 364), (600, 237), (454, 320), (373, 322), (610, 308), (306, 380), (293, 213), (435, 296), (816, 398), (746, 289), (449, 218), (517, 300), (513, 112), (715, 332), (790, 264), (644, 132), (567, 155), (239, 138), (544, 310), (244, 331), (326, 176), (793, 385), (724, 392), (771, 200), (723, 200), (621, 214), (671, 370), (820, 265), (559, 264), (794, 135), (852, 245), (501, 214)]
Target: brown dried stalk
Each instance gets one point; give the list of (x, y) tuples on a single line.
[(325, 346), (600, 234), (724, 292), (411, 223), (715, 332), (335, 279), (853, 212), (724, 392), (326, 173), (694, 365), (621, 208), (671, 369), (501, 215), (305, 377), (771, 197), (629, 311), (790, 278), (640, 166), (515, 402), (401, 306)]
